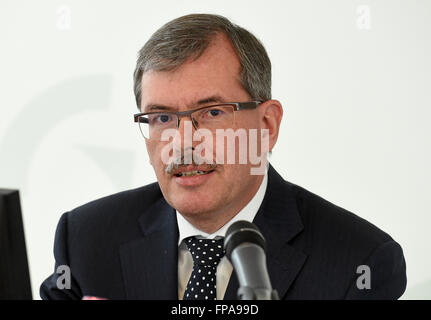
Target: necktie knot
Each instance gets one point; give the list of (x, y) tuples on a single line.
[(205, 252)]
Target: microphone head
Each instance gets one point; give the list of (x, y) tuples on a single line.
[(241, 232)]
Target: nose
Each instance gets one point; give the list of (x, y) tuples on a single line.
[(184, 139)]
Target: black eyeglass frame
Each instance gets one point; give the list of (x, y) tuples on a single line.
[(249, 105)]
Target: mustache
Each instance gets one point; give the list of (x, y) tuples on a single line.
[(196, 160)]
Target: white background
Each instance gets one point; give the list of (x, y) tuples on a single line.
[(353, 77)]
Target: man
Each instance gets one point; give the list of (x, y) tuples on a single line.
[(199, 76)]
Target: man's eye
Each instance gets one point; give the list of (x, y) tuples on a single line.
[(161, 119), (157, 119), (164, 118), (214, 112)]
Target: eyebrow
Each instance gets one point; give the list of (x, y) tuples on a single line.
[(156, 107), (211, 99)]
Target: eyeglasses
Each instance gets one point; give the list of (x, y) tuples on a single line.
[(213, 117)]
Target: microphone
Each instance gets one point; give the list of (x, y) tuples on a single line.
[(245, 248)]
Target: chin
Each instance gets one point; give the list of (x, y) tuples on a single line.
[(191, 207)]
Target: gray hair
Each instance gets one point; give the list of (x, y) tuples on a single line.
[(188, 36)]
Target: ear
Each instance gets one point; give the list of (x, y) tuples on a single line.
[(271, 115)]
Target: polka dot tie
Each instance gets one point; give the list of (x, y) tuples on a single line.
[(206, 255)]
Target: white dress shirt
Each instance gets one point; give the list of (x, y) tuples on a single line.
[(224, 268)]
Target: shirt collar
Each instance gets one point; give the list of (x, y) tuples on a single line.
[(186, 229)]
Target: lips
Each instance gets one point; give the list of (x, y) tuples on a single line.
[(189, 171)]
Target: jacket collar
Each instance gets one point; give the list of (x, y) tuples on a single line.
[(150, 263), (279, 222)]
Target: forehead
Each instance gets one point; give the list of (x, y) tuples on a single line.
[(215, 73)]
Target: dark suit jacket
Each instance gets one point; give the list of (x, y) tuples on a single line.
[(125, 246)]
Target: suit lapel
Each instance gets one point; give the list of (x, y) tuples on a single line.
[(150, 263), (279, 221)]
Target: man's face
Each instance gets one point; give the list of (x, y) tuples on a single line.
[(214, 76)]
